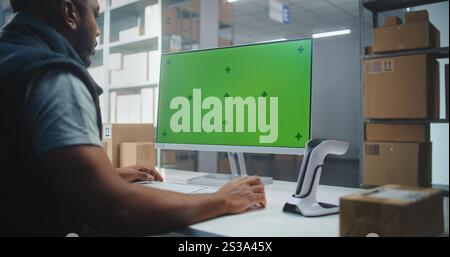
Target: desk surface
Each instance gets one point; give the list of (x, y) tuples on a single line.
[(272, 221)]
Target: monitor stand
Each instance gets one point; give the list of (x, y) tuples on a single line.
[(218, 180)]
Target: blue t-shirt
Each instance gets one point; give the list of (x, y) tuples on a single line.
[(60, 112)]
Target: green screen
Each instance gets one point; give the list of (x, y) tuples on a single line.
[(262, 72)]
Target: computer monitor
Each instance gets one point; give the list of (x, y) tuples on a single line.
[(250, 98), (240, 99)]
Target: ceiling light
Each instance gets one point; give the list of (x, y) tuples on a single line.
[(273, 40), (332, 33)]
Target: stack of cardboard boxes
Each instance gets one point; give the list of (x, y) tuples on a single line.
[(401, 97), (133, 67), (130, 144), (182, 23)]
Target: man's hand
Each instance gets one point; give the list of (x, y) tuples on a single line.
[(242, 194), (139, 173)]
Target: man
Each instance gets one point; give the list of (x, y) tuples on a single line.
[(55, 176)]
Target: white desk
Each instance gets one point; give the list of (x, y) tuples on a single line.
[(271, 221)]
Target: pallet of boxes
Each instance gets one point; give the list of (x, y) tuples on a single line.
[(401, 98), (130, 144)]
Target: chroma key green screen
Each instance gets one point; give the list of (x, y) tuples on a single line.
[(254, 95)]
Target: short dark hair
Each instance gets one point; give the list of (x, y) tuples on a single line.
[(42, 8), (36, 5), (30, 5)]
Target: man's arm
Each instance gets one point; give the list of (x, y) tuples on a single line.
[(84, 176)]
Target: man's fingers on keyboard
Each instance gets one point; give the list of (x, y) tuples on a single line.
[(260, 198), (258, 189), (252, 181), (145, 176), (156, 175)]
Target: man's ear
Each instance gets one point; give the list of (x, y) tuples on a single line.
[(70, 14)]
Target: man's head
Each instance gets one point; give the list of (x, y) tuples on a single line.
[(73, 19)]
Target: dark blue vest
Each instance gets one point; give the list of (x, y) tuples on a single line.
[(28, 203)]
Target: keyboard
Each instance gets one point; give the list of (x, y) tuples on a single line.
[(180, 188), (218, 180)]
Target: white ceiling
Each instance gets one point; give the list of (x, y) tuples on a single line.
[(252, 22)]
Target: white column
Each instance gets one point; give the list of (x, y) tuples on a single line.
[(209, 37), (209, 23)]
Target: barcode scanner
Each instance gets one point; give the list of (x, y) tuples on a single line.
[(304, 201)]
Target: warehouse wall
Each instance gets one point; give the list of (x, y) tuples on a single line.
[(336, 108)]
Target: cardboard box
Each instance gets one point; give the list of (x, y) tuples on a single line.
[(397, 163), (115, 134), (392, 211), (417, 16), (134, 70), (143, 154), (129, 34), (401, 88), (107, 146), (189, 165), (225, 42), (115, 61), (171, 24), (397, 132), (224, 165), (191, 30), (98, 74), (173, 43), (169, 157), (153, 25), (287, 157), (194, 8), (225, 12), (392, 21), (407, 36)]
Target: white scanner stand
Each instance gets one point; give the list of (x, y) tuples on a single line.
[(304, 201)]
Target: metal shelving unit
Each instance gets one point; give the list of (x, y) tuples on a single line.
[(144, 84), (140, 44), (436, 53), (404, 121), (117, 15), (186, 10), (376, 7)]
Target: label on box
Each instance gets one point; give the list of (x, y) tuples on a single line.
[(388, 66), (175, 42), (373, 149), (398, 194), (375, 67), (107, 131)]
